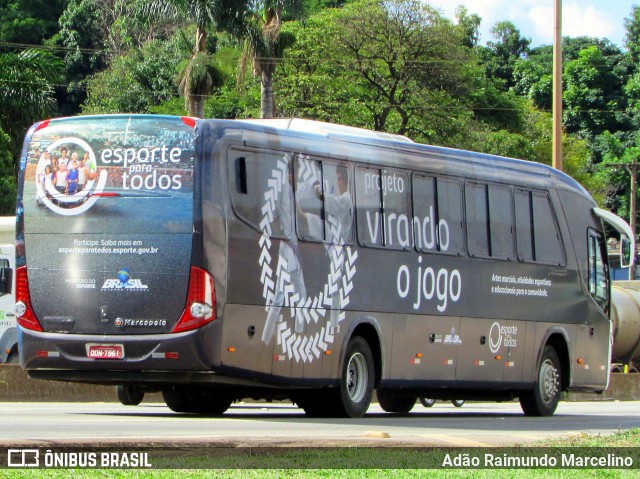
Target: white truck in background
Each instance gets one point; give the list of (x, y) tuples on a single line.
[(8, 330)]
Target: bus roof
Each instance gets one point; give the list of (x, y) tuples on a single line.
[(404, 145)]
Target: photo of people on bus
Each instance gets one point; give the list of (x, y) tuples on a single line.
[(67, 173)]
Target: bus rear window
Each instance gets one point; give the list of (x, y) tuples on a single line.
[(116, 166)]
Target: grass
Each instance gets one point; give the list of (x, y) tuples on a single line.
[(358, 462)]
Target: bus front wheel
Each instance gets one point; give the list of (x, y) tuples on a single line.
[(543, 399)]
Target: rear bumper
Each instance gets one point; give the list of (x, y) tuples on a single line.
[(191, 351)]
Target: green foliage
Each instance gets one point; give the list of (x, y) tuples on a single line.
[(501, 56), (632, 40), (26, 91), (592, 94), (7, 177), (397, 67), (137, 81), (29, 22)]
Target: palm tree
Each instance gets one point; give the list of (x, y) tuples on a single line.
[(27, 81), (264, 44), (199, 77), (26, 95)]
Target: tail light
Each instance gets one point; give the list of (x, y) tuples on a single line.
[(26, 317), (200, 306)]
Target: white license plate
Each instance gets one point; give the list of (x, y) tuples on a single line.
[(105, 351)]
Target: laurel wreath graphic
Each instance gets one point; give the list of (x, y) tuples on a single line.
[(337, 288)]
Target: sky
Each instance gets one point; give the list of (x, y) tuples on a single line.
[(534, 18)]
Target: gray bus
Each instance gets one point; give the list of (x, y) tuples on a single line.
[(215, 260)]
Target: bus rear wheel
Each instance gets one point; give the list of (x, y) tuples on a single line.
[(427, 402), (129, 394), (543, 399), (391, 401), (195, 401)]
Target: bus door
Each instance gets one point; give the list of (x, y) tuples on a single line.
[(592, 347)]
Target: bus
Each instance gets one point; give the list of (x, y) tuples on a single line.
[(218, 260)]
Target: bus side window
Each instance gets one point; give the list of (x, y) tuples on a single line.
[(477, 214), (489, 221), (538, 236), (437, 220), (396, 212), (369, 219), (382, 208), (450, 217), (257, 177), (501, 220), (598, 287), (309, 206), (241, 175)]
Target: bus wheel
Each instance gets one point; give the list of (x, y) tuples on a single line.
[(129, 394), (457, 402), (356, 380), (390, 401), (14, 357), (202, 401), (543, 399), (176, 399), (427, 402)]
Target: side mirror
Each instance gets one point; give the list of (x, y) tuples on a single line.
[(626, 253)]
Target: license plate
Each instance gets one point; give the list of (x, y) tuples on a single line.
[(105, 351)]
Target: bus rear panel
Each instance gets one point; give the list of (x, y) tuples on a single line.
[(108, 216)]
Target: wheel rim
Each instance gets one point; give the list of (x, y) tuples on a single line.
[(357, 377), (549, 384)]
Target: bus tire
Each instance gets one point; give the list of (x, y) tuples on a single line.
[(543, 399), (457, 402), (129, 394), (176, 399), (212, 403), (317, 403), (390, 401), (353, 396), (427, 402)]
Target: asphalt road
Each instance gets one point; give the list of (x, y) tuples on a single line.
[(475, 424)]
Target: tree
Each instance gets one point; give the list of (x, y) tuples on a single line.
[(30, 22), (26, 95), (264, 43), (500, 56), (198, 76), (593, 95), (7, 177), (26, 92), (138, 80), (396, 66), (632, 38), (470, 26)]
